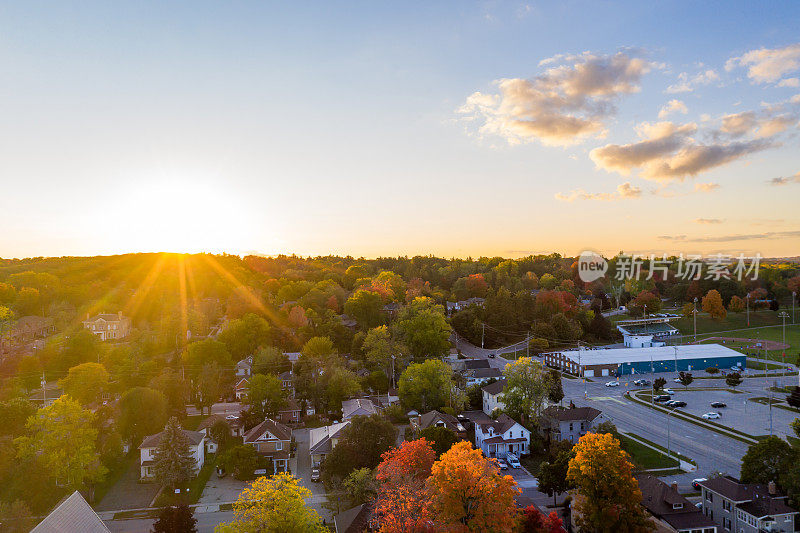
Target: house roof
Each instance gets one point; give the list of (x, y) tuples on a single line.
[(319, 439), (108, 317), (567, 415), (495, 388), (737, 491), (358, 406), (244, 363), (486, 373), (72, 514), (761, 507), (285, 376), (151, 441), (474, 364), (353, 520), (291, 405), (660, 500), (450, 422), (501, 425), (275, 428)]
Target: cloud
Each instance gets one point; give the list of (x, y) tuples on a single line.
[(795, 99), (673, 106), (747, 237), (706, 187), (789, 82), (563, 105), (785, 180), (768, 65), (708, 221), (687, 84), (625, 191), (672, 237)]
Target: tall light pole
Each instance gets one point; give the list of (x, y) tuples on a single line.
[(483, 332), (694, 312), (747, 301), (784, 316), (794, 295), (669, 415)]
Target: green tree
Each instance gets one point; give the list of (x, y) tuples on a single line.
[(178, 519), (15, 517), (426, 386), (174, 388), (734, 379), (340, 384), (366, 307), (766, 460), (659, 384), (555, 390), (553, 475), (15, 413), (245, 335), (265, 395), (270, 360), (29, 371), (173, 462), (241, 461), (359, 486), (86, 382), (209, 386), (205, 352), (424, 329), (28, 302), (527, 386), (441, 438), (81, 347), (379, 348), (273, 505), (319, 348), (361, 445), (142, 412), (686, 378), (61, 438)]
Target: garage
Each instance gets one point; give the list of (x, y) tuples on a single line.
[(605, 372), (588, 373)]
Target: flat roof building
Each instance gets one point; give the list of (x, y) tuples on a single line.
[(630, 361)]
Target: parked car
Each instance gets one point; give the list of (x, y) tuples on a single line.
[(612, 384), (464, 421), (662, 398), (718, 405), (669, 391), (491, 356), (676, 380), (641, 382), (678, 403), (711, 416), (315, 475), (696, 482), (502, 464), (736, 369), (513, 462)]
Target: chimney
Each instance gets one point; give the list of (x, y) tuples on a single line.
[(675, 486), (771, 488)]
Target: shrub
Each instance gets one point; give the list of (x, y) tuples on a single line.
[(712, 370)]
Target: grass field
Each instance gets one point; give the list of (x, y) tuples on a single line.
[(646, 458)]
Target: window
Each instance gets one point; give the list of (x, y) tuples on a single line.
[(709, 496), (570, 426), (279, 445), (726, 505)]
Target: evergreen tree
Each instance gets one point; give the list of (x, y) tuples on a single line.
[(173, 462), (178, 519)]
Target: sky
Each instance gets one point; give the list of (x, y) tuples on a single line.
[(382, 129)]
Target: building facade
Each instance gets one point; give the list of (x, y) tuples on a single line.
[(746, 508), (271, 439), (108, 326), (147, 451), (501, 437)]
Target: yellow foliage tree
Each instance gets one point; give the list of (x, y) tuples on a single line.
[(712, 304), (273, 505), (609, 496), (468, 493)]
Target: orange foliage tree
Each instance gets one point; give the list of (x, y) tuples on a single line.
[(468, 493), (402, 503), (609, 496), (712, 304)]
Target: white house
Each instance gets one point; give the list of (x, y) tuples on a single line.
[(492, 394), (244, 368), (242, 388), (479, 376), (502, 436), (150, 443), (360, 406), (324, 439)]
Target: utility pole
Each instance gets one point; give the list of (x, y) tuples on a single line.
[(528, 345), (794, 295), (393, 371), (653, 375), (44, 390), (784, 316), (483, 333), (694, 312), (747, 302), (675, 350)]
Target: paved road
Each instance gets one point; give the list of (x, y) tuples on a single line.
[(206, 522)]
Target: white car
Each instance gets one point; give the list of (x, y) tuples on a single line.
[(502, 464), (676, 380), (669, 391), (612, 384), (512, 460), (711, 416)]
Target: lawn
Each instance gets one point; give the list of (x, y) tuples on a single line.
[(647, 458), (195, 487), (763, 325)]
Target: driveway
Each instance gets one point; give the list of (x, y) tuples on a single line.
[(218, 490), (300, 465), (128, 493)]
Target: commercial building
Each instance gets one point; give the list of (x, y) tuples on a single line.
[(645, 332), (631, 361)]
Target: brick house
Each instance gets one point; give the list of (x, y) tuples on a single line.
[(108, 326)]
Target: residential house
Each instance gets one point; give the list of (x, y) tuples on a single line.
[(27, 329), (287, 382), (290, 414), (147, 451), (242, 388), (568, 424), (672, 512), (462, 365), (437, 419), (502, 436), (108, 326), (271, 439), (357, 407), (355, 520), (293, 357), (479, 376), (233, 422), (244, 368), (324, 439), (72, 514), (746, 507), (492, 396)]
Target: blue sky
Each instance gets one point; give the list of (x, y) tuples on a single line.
[(342, 128)]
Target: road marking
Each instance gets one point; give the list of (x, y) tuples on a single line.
[(607, 399)]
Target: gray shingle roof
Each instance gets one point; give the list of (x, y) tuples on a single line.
[(72, 514), (151, 441), (496, 387), (275, 428)]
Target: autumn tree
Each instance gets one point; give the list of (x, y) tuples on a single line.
[(736, 304), (712, 304), (402, 502), (426, 386), (265, 395), (686, 378), (86, 382), (360, 445), (609, 496), (527, 387), (142, 412), (534, 521), (15, 517), (273, 505), (173, 462), (62, 439), (467, 492), (645, 300), (177, 519)]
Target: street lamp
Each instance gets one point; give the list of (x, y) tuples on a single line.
[(694, 312), (669, 415), (747, 302), (794, 295), (784, 316)]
